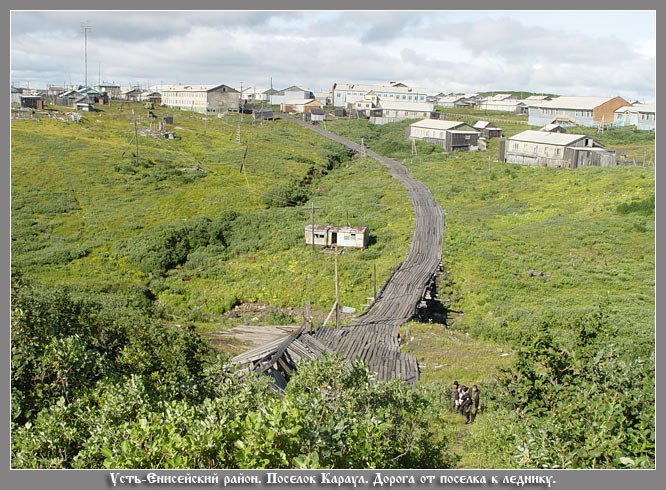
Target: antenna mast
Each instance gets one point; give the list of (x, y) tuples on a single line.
[(86, 28)]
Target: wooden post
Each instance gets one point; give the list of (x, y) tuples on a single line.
[(337, 290), (307, 317), (374, 279), (347, 218), (136, 139), (313, 228), (205, 125)]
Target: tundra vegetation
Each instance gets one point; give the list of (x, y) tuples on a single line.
[(121, 271)]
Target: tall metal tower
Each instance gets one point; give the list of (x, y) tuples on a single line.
[(86, 28)]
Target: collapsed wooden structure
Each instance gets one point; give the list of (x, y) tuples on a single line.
[(374, 336)]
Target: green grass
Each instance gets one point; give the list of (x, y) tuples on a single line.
[(75, 198)]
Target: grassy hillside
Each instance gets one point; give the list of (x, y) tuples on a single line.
[(507, 225), (86, 216)]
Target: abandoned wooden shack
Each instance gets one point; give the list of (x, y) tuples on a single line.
[(341, 236), (488, 130), (339, 112), (262, 114), (450, 135), (559, 150), (314, 115), (32, 102), (84, 106)]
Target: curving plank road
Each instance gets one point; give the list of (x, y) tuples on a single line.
[(374, 336)]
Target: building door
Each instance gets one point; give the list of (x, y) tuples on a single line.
[(334, 238)]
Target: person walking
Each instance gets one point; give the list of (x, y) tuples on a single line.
[(476, 403), (455, 397), (465, 402)]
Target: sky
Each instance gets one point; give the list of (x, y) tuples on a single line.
[(600, 53)]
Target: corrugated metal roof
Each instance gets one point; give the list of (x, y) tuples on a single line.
[(637, 108), (406, 106), (560, 139), (482, 124), (338, 229), (380, 88), (573, 102), (535, 98), (300, 101), (550, 127), (437, 124), (192, 88)]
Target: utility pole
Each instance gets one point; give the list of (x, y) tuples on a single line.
[(313, 226), (247, 182), (136, 139), (337, 290), (86, 28)]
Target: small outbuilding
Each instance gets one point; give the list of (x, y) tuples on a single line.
[(32, 102), (488, 130), (553, 128), (450, 135), (340, 236), (560, 150), (315, 115)]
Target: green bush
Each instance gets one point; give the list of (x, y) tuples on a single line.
[(644, 207)]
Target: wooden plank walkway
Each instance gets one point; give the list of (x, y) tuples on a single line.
[(374, 336)]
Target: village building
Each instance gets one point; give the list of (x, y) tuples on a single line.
[(151, 96), (454, 102), (253, 94), (300, 105), (340, 236), (15, 95), (291, 93), (52, 90), (578, 111), (84, 105), (554, 128), (536, 98), (450, 135), (111, 89), (262, 114), (389, 110), (488, 130), (394, 90), (66, 98), (560, 150), (32, 102), (640, 115), (131, 93), (314, 115), (502, 102), (204, 99)]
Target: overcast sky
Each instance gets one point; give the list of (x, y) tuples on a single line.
[(604, 53)]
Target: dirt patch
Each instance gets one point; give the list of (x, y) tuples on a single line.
[(260, 310)]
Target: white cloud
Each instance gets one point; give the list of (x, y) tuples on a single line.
[(435, 50)]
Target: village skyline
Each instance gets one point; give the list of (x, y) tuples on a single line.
[(447, 51)]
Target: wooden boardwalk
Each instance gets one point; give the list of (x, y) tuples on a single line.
[(374, 336)]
